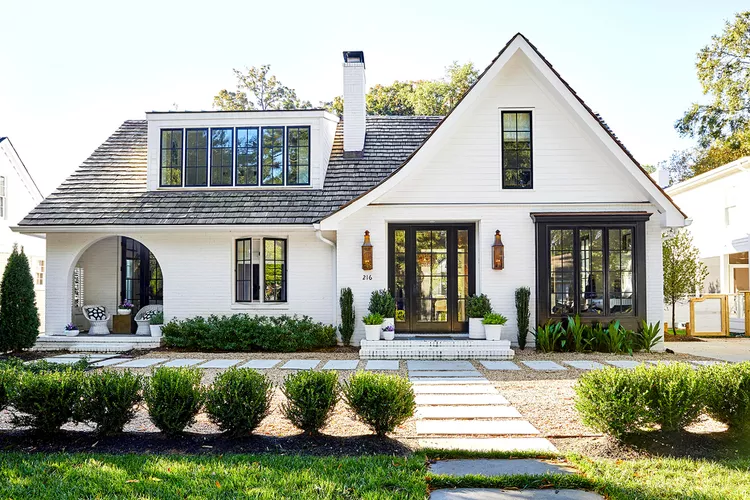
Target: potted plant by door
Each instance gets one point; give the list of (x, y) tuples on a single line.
[(389, 332), (71, 330), (373, 324), (155, 324), (125, 308), (493, 325), (477, 307), (383, 303)]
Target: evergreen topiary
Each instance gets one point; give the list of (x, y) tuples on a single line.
[(347, 315), (19, 318)]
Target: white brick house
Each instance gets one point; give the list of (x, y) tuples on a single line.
[(265, 212)]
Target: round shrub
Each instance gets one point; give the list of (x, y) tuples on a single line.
[(612, 401), (383, 402), (110, 399), (311, 397), (7, 380), (45, 401), (674, 395), (239, 400), (174, 397), (727, 395)]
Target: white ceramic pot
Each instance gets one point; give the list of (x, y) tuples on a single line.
[(476, 329), (389, 335), (155, 330), (123, 311), (388, 322), (71, 333), (493, 332), (372, 332)]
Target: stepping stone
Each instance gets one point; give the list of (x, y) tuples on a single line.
[(300, 364), (445, 374), (707, 363), (453, 412), (220, 363), (455, 389), (382, 364), (488, 467), (449, 381), (661, 362), (109, 362), (341, 364), (544, 366), (500, 365), (460, 399), (418, 365), (475, 427), (91, 357), (493, 494), (179, 363), (584, 365), (489, 444), (628, 364), (261, 364), (142, 363), (59, 361)]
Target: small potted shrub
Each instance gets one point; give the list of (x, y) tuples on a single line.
[(71, 330), (383, 303), (155, 324), (493, 325), (389, 332), (477, 307), (125, 308), (373, 323)]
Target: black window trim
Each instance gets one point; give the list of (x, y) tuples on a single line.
[(309, 155), (284, 274), (236, 263), (283, 156), (237, 152), (531, 146), (208, 160), (211, 157), (182, 163)]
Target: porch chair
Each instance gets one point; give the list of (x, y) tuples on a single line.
[(98, 317), (143, 318)]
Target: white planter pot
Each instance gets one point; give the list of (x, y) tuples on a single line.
[(389, 335), (476, 329), (123, 311), (155, 330), (493, 332), (71, 333), (387, 322), (372, 332)]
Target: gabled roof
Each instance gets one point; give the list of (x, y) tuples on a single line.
[(675, 216), (109, 188), (20, 167), (738, 165)]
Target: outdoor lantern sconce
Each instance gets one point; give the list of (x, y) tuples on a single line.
[(498, 252), (367, 253)]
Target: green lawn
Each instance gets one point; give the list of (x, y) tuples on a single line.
[(62, 476)]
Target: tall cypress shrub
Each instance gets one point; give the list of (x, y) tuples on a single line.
[(522, 314), (347, 315), (19, 318)]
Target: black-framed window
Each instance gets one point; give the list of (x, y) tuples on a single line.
[(222, 140), (272, 156), (246, 163), (298, 156), (274, 270), (244, 270), (196, 157), (170, 160), (517, 150)]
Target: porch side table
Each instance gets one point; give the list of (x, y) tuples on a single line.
[(121, 323)]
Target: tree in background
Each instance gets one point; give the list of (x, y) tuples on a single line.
[(19, 317), (265, 90), (684, 273)]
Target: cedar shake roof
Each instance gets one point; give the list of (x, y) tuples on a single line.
[(109, 188)]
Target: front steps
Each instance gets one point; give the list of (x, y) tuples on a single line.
[(96, 343), (435, 349)]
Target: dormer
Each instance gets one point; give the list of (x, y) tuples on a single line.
[(239, 150)]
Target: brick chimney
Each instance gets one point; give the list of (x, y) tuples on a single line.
[(354, 103)]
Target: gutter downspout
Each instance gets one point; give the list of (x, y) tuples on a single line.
[(320, 236)]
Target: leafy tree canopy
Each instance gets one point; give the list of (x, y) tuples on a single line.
[(258, 89), (684, 273)]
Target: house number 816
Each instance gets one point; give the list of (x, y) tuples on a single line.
[(367, 277)]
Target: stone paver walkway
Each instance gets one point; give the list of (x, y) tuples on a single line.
[(721, 349), (490, 467), (261, 364), (584, 365), (219, 364), (300, 364), (142, 363), (625, 363), (500, 365), (382, 364), (179, 363), (341, 364), (544, 366)]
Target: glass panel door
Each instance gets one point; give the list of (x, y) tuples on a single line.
[(432, 276)]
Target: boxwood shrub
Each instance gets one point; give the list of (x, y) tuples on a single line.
[(174, 397), (727, 394), (311, 397), (109, 399), (242, 332), (45, 401), (239, 400), (383, 402), (674, 395)]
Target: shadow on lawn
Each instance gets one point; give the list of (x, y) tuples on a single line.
[(193, 443)]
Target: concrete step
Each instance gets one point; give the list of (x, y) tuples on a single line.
[(454, 412), (445, 374), (455, 389), (108, 347), (460, 399), (475, 427), (489, 444), (500, 467), (450, 381)]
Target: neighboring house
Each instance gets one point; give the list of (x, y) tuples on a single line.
[(18, 195), (265, 212), (717, 202)]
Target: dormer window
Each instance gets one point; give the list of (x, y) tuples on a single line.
[(273, 156), (170, 162), (247, 157), (298, 156), (221, 156), (196, 157)]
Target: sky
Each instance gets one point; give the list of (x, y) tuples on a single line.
[(71, 72)]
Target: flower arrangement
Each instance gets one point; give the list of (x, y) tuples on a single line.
[(70, 327), (388, 328), (126, 304)]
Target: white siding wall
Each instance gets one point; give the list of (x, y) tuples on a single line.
[(198, 271)]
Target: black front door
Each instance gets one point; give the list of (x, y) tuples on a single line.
[(141, 281), (431, 273)]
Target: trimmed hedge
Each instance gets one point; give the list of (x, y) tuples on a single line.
[(242, 332), (311, 397), (45, 401), (110, 399), (728, 395), (239, 400), (174, 397), (383, 402)]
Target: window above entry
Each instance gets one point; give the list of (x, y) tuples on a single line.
[(274, 156), (517, 153)]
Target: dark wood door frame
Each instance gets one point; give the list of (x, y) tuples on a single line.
[(144, 278), (411, 325)]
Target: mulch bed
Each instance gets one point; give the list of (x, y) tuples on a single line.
[(681, 338)]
